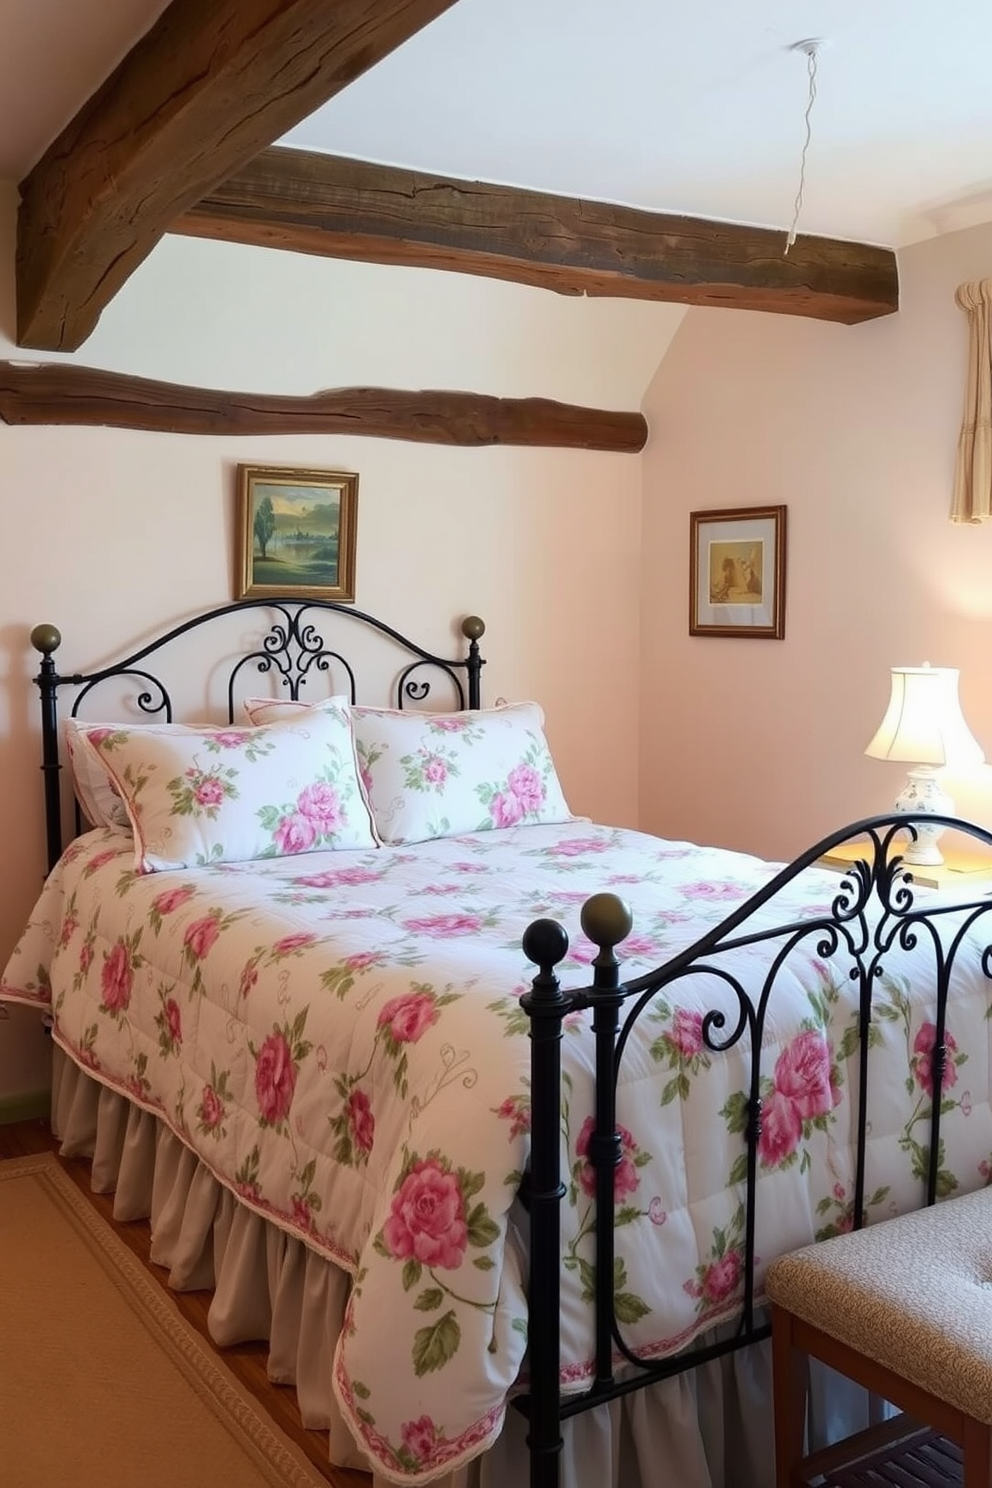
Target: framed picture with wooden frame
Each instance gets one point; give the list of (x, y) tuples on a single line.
[(737, 572), (296, 533)]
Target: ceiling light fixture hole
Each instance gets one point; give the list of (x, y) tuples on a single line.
[(810, 45)]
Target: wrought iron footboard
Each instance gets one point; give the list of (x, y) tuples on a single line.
[(874, 912)]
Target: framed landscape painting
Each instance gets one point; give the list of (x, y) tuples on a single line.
[(296, 533), (737, 572)]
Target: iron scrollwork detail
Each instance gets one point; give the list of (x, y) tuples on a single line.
[(875, 913)]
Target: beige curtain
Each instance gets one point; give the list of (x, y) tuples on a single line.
[(973, 474)]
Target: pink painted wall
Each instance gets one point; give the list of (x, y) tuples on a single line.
[(758, 744), (577, 561), (112, 535)]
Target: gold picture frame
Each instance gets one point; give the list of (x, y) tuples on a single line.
[(296, 533), (737, 572)]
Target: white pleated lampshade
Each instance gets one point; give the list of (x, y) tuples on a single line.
[(923, 724)]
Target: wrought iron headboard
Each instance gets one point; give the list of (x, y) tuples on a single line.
[(293, 648)]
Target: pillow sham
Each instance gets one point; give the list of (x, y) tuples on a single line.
[(429, 775), (281, 710), (225, 795), (93, 785)]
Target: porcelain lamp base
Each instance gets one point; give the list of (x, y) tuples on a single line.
[(921, 796)]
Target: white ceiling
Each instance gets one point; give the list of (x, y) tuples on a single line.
[(695, 108)]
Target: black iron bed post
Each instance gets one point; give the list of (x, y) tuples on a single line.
[(473, 629), (938, 1066), (47, 639), (606, 921), (545, 944), (864, 1046)]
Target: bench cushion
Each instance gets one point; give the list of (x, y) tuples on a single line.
[(913, 1293)]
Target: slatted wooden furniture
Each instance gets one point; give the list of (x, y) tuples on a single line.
[(904, 1307)]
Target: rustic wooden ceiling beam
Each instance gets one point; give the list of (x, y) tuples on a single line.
[(344, 208), (63, 393), (211, 84)]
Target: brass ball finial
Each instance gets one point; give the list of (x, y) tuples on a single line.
[(606, 920), (46, 639), (473, 628)]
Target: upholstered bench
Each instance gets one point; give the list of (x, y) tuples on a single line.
[(905, 1308)]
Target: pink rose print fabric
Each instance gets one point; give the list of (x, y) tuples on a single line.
[(275, 1079), (923, 1055), (436, 775), (625, 1179), (117, 977), (406, 1019), (337, 1033), (427, 1218), (200, 796), (802, 1075), (361, 1121)]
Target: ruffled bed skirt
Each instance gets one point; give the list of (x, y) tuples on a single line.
[(707, 1429)]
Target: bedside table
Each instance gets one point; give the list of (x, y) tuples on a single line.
[(963, 870)]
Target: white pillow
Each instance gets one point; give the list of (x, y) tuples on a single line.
[(432, 775), (281, 710), (93, 785), (224, 795)]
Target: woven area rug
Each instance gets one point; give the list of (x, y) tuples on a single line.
[(102, 1382)]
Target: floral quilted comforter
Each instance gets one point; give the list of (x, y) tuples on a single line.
[(338, 1037)]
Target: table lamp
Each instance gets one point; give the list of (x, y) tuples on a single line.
[(924, 727)]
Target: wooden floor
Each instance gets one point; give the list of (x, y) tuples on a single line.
[(247, 1361)]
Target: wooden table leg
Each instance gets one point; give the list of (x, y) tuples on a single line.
[(790, 1377), (977, 1455)]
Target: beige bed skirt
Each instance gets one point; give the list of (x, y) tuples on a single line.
[(707, 1429)]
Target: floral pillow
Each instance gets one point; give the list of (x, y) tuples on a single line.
[(94, 786), (199, 796), (438, 774), (428, 775)]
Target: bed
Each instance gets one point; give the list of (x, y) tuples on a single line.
[(336, 1001)]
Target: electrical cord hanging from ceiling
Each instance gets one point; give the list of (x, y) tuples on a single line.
[(810, 48)]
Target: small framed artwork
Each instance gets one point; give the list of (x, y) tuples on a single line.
[(737, 572), (296, 533)]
